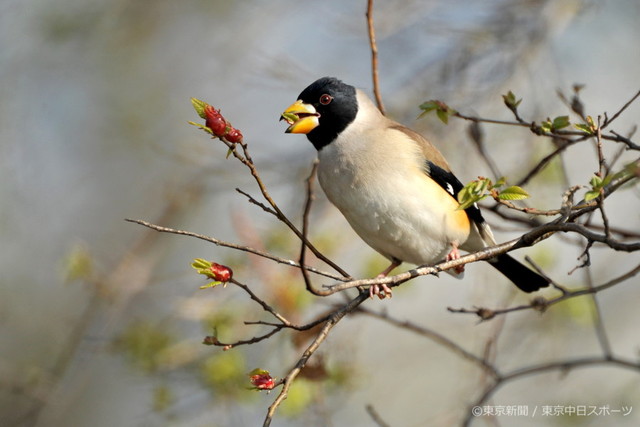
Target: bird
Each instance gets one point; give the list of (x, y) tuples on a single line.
[(392, 185)]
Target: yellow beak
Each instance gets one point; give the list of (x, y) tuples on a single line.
[(302, 118)]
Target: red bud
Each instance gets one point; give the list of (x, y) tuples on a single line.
[(220, 272), (233, 136), (262, 381), (218, 125), (210, 112)]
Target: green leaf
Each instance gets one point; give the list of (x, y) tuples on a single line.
[(595, 182), (290, 118), (500, 182), (202, 266), (550, 126), (583, 128), (203, 127), (483, 185), (513, 193), (560, 122), (199, 105), (200, 263), (470, 201), (510, 100), (588, 127), (210, 285), (429, 106), (443, 111), (464, 194), (590, 195), (632, 168), (443, 116), (473, 192)]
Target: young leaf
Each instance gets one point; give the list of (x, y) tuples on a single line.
[(258, 371), (199, 126), (443, 111), (590, 195), (443, 116), (290, 118), (589, 127), (513, 193), (199, 105), (210, 285), (560, 122), (596, 182), (510, 100), (429, 106), (469, 201), (473, 192)]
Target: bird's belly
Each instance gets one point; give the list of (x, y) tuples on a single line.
[(393, 215)]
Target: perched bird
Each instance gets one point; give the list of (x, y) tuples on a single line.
[(393, 186)]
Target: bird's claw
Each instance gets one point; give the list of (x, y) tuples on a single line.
[(382, 291), (453, 255)]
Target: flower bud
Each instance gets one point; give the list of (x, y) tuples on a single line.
[(261, 380), (233, 135)]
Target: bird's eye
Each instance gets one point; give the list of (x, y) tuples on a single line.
[(326, 99)]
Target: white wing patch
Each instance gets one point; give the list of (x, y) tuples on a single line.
[(450, 189)]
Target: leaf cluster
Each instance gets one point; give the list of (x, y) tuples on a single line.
[(482, 188)]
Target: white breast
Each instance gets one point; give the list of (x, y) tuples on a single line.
[(381, 189)]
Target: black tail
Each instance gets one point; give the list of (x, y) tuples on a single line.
[(523, 277)]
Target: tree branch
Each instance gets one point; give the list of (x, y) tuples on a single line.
[(232, 246), (563, 365), (374, 56), (322, 335), (541, 304)]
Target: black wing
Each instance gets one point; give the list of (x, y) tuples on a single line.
[(452, 185)]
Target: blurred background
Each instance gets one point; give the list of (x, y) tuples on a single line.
[(101, 321)]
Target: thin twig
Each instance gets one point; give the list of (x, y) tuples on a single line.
[(305, 229), (375, 416), (621, 110), (562, 365), (548, 158), (233, 246), (528, 239), (630, 144), (374, 56), (257, 203), (542, 304), (432, 335), (322, 335), (266, 307), (598, 323), (248, 162)]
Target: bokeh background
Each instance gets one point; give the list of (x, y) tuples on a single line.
[(101, 321)]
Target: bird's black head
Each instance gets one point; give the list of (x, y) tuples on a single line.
[(323, 110)]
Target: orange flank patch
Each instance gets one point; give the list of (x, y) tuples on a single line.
[(456, 219), (461, 220)]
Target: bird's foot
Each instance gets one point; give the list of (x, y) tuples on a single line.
[(453, 255), (383, 291)]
